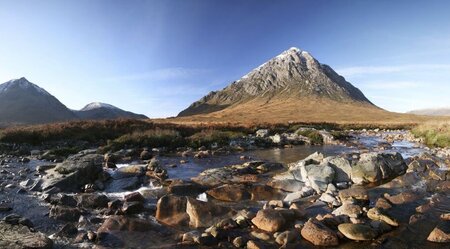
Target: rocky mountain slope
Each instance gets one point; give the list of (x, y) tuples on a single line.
[(294, 76), (22, 102), (97, 110)]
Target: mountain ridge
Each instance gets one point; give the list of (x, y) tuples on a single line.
[(23, 102), (292, 74)]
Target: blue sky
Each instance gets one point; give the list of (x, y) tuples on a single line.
[(157, 57)]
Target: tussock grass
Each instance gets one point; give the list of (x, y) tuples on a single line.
[(434, 133)]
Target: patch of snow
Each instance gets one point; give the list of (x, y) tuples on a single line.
[(202, 197), (22, 83), (97, 105)]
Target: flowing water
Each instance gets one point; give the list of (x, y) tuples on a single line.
[(406, 236)]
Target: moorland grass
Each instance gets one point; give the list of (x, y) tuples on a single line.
[(434, 133)]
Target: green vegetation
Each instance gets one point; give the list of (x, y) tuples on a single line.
[(208, 137), (435, 134), (313, 135), (154, 138)]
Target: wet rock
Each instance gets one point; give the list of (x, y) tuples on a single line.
[(239, 242), (357, 231), (19, 237), (252, 244), (129, 183), (15, 219), (377, 215), (129, 232), (75, 172), (287, 237), (132, 207), (260, 235), (65, 213), (342, 169), (205, 214), (403, 197), (67, 230), (171, 210), (380, 226), (319, 176), (5, 207), (441, 233), (202, 154), (263, 192), (231, 193), (269, 220), (383, 204), (183, 188), (206, 240), (190, 236), (134, 197), (318, 234), (145, 155), (92, 201), (374, 167), (292, 197), (349, 209), (289, 185), (354, 194)]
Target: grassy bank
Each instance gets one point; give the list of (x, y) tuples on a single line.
[(435, 133), (113, 135)]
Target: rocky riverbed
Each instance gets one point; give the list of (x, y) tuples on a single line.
[(380, 189)]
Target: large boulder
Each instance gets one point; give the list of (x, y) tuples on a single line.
[(171, 210), (64, 213), (75, 172), (269, 220), (374, 167), (319, 234), (92, 200), (205, 214), (289, 185), (319, 176), (341, 167), (230, 192), (357, 231), (129, 232), (20, 236)]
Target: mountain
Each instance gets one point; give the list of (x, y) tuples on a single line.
[(97, 110), (22, 102), (432, 112), (289, 86)]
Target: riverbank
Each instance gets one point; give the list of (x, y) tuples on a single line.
[(376, 187)]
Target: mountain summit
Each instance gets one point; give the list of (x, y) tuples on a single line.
[(22, 102), (293, 76), (98, 110)]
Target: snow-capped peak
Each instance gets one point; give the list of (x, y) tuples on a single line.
[(97, 105), (23, 83)]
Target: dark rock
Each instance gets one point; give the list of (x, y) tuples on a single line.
[(171, 210), (65, 213), (92, 201), (67, 230)]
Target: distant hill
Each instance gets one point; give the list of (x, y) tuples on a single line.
[(22, 102), (97, 110), (290, 86), (432, 112)]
